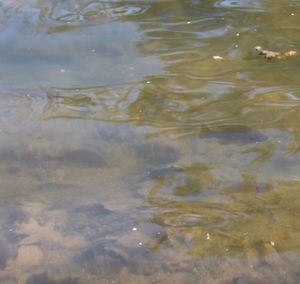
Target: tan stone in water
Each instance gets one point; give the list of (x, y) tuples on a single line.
[(29, 256), (47, 235)]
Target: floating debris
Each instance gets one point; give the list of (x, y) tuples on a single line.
[(217, 57), (268, 54)]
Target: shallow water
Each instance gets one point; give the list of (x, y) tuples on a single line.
[(129, 155)]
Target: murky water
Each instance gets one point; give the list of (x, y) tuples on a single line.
[(128, 154)]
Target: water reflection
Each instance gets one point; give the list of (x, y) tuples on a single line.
[(129, 154), (76, 55)]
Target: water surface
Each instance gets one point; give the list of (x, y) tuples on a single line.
[(129, 155)]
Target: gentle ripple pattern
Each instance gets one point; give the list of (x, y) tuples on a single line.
[(145, 141)]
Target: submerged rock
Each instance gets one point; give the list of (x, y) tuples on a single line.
[(102, 259), (246, 279), (235, 135), (92, 210), (81, 158), (29, 256), (43, 278)]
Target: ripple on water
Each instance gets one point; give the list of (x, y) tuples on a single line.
[(78, 13), (242, 5), (21, 106), (124, 73)]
